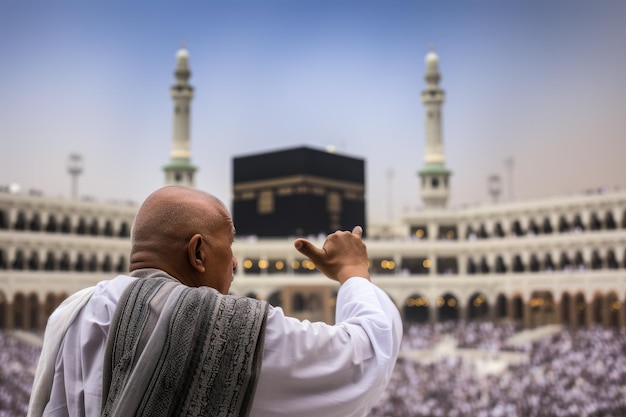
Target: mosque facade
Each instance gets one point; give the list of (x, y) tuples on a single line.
[(560, 260)]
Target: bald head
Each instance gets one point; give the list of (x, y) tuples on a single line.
[(173, 213), (166, 222)]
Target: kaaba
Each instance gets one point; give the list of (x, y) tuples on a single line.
[(297, 192)]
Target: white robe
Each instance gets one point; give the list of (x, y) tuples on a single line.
[(308, 369)]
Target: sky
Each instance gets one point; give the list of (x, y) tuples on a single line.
[(541, 84)]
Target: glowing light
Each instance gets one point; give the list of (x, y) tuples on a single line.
[(417, 302), (263, 264), (419, 233), (307, 264), (247, 264), (279, 265), (387, 264), (427, 263)]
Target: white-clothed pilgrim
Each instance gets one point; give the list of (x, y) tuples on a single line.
[(307, 369)]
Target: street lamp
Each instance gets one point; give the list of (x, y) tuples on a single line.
[(75, 168), (495, 187)]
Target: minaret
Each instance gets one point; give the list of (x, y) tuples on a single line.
[(179, 170), (434, 175)]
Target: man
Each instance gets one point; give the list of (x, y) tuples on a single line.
[(168, 340)]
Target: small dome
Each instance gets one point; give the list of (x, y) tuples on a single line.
[(182, 58), (432, 58), (182, 53)]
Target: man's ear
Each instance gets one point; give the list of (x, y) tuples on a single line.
[(196, 253)]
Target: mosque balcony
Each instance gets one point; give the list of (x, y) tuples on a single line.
[(29, 239), (41, 284)]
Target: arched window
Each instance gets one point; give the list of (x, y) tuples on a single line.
[(594, 222), (478, 306), (106, 264), (541, 306), (579, 260), (81, 229), (547, 226), (548, 263), (500, 265), (33, 262), (94, 229), (20, 223), (534, 263), (596, 260), (416, 309), (50, 264), (66, 225), (51, 227), (471, 266), (518, 308), (121, 265), (580, 306), (566, 301), (18, 262), (609, 221), (93, 263), (518, 265), (448, 307), (565, 262), (297, 302), (447, 265), (19, 311), (484, 266), (516, 228), (533, 229), (614, 306), (611, 260), (35, 223), (124, 230), (33, 312), (563, 225), (596, 308), (497, 230), (64, 264), (108, 228), (578, 224), (50, 304), (502, 308), (80, 263)]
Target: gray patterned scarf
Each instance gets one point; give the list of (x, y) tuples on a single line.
[(173, 350)]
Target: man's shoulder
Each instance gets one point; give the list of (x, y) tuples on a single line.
[(111, 289)]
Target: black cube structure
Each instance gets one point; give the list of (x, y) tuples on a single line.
[(297, 192)]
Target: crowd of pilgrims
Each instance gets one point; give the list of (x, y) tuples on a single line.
[(18, 360), (573, 372)]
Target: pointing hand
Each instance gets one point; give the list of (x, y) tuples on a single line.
[(343, 255)]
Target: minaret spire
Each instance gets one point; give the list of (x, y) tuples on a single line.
[(434, 175), (179, 170)]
